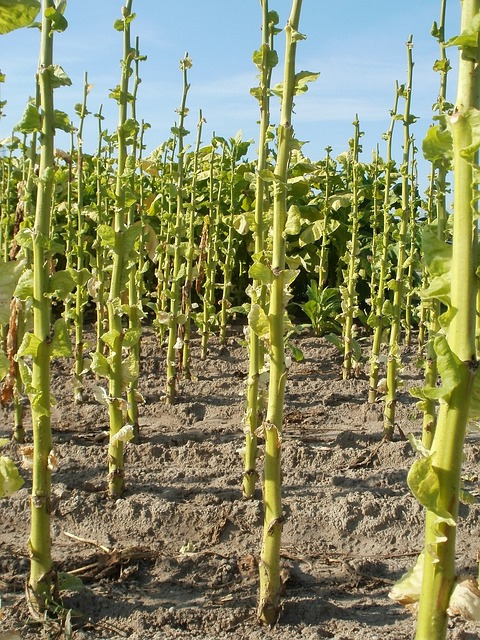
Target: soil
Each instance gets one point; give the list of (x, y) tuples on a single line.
[(176, 556)]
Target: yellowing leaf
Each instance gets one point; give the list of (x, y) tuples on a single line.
[(465, 600), (125, 434), (258, 321), (261, 272), (407, 590), (424, 483), (10, 479)]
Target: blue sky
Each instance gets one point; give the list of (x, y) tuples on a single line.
[(358, 46)]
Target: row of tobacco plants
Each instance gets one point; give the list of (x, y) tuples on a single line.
[(193, 235)]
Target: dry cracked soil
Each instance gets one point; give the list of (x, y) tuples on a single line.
[(177, 555)]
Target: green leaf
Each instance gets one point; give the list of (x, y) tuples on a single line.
[(81, 277), (10, 479), (61, 284), (258, 321), (448, 367), (107, 236), (131, 236), (30, 121), (15, 14), (294, 221), (29, 345), (437, 254), (302, 78), (261, 272), (55, 15), (424, 483), (129, 129), (474, 409), (62, 121), (10, 273), (438, 144), (297, 36), (473, 118), (442, 66), (129, 370), (467, 498), (61, 345), (335, 340), (267, 175), (271, 57), (4, 365), (312, 233), (68, 582), (58, 77), (131, 337), (289, 275), (100, 365), (110, 337), (24, 288), (297, 353)]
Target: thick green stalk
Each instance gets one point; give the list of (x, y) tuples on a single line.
[(439, 184), (211, 245), (135, 276), (81, 294), (429, 320), (40, 580), (100, 251), (326, 230), (116, 471), (269, 566), (69, 230), (189, 256), (20, 313), (381, 263), (351, 273), (411, 251), (447, 447), (229, 258), (393, 363), (254, 408), (165, 240), (175, 287)]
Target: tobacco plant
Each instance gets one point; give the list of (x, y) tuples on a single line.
[(380, 315), (265, 59), (437, 221), (81, 272), (120, 240), (349, 291), (398, 285), (280, 278), (187, 305), (175, 344), (435, 479), (42, 344)]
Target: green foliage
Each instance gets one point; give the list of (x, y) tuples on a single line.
[(10, 273), (31, 120), (55, 15), (15, 14), (10, 479), (322, 309), (424, 483)]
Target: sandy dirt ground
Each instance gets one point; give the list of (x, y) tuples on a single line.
[(176, 557)]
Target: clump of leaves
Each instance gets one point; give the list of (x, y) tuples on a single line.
[(322, 309), (10, 479)]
